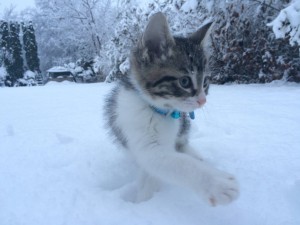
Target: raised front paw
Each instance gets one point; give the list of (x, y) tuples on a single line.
[(221, 188)]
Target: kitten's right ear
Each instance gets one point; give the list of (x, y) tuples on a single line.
[(157, 36), (200, 34)]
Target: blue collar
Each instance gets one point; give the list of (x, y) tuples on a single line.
[(174, 114)]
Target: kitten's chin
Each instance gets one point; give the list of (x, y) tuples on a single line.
[(185, 108), (174, 105), (189, 106), (188, 109)]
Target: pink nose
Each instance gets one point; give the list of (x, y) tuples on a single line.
[(202, 100)]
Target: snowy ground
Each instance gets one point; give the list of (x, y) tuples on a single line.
[(59, 167)]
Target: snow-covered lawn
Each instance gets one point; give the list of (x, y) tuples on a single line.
[(59, 167)]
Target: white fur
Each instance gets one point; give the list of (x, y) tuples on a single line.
[(151, 139)]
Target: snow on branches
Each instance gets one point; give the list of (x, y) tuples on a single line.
[(287, 23)]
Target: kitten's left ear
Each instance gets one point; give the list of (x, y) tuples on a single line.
[(200, 34), (157, 35)]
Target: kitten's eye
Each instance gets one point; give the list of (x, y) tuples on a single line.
[(185, 82)]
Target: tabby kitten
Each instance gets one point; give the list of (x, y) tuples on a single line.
[(149, 113)]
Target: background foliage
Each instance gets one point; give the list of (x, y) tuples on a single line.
[(100, 34)]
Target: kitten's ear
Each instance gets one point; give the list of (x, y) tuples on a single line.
[(157, 36), (200, 34)]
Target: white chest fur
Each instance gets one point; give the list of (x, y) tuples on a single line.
[(139, 122)]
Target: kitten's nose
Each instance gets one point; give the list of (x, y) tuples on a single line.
[(201, 99)]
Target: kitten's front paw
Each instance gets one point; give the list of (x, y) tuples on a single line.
[(222, 189)]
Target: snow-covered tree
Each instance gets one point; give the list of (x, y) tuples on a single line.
[(9, 13), (5, 56), (1, 50), (127, 29), (69, 30), (11, 52), (30, 47), (14, 65)]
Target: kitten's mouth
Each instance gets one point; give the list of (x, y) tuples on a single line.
[(194, 104)]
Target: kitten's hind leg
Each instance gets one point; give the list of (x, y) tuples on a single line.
[(147, 186)]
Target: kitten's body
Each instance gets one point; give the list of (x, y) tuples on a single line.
[(166, 73)]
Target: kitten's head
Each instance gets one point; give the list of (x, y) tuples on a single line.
[(169, 71)]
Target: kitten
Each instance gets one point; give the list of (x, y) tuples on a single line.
[(149, 113)]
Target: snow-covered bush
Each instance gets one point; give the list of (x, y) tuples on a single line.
[(86, 71), (246, 51), (286, 26), (28, 79), (287, 23)]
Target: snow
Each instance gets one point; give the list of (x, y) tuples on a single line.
[(57, 69), (58, 165), (78, 69), (29, 74), (189, 5)]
